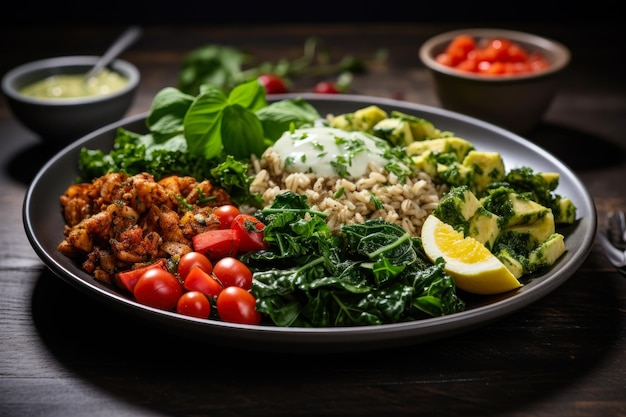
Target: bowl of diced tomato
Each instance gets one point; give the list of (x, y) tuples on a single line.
[(505, 77)]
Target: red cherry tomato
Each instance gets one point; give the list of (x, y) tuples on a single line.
[(251, 236), (326, 87), (232, 272), (226, 214), (236, 305), (273, 84), (158, 288), (194, 304), (198, 280), (128, 279), (191, 259)]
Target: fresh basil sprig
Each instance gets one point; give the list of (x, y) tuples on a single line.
[(211, 135)]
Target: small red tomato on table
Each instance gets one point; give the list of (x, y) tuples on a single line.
[(326, 87), (274, 84)]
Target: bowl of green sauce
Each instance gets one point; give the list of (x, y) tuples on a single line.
[(54, 98)]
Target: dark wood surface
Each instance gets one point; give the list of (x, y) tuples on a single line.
[(65, 354)]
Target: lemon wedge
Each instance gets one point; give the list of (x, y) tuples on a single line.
[(474, 268)]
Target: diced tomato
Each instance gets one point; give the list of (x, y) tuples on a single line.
[(198, 280), (215, 244), (468, 65), (490, 56), (250, 229), (128, 279), (444, 59), (459, 47)]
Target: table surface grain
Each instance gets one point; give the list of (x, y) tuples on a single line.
[(65, 354)]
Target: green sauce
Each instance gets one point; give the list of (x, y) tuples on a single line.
[(76, 85)]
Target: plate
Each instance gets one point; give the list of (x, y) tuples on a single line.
[(45, 232)]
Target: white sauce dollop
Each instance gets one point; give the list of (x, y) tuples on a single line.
[(328, 151)]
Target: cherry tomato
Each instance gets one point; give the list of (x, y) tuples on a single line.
[(236, 305), (232, 272), (128, 279), (226, 214), (326, 87), (158, 288), (251, 236), (198, 280), (194, 304), (191, 259), (273, 84)]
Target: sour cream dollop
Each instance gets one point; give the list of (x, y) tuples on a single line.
[(328, 151)]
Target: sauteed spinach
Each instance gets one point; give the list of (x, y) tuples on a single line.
[(368, 274)]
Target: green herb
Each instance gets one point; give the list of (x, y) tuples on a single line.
[(184, 203), (209, 136), (225, 67), (376, 202)]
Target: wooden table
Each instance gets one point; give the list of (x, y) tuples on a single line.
[(64, 354)]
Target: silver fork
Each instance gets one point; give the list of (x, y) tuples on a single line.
[(616, 230), (614, 240)]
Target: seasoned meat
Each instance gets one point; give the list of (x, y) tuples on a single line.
[(117, 221)]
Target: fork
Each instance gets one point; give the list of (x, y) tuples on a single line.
[(616, 230), (614, 241)]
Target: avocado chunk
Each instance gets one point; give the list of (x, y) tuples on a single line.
[(564, 211), (539, 230), (546, 253), (513, 265), (457, 206), (457, 146), (487, 167), (421, 129), (484, 227), (361, 120), (396, 131)]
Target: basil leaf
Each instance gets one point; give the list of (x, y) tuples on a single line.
[(167, 112), (277, 117), (242, 133), (202, 123)]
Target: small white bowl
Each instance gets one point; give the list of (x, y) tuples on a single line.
[(516, 102), (58, 122)]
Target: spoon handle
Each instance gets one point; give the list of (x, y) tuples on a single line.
[(129, 36)]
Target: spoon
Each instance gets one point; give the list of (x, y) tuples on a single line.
[(129, 36)]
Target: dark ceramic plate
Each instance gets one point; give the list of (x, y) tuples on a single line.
[(45, 231)]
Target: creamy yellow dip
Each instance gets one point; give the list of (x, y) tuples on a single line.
[(76, 85)]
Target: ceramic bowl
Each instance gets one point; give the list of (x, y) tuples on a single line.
[(516, 102), (59, 121)]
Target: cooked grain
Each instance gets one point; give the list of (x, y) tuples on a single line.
[(406, 204)]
